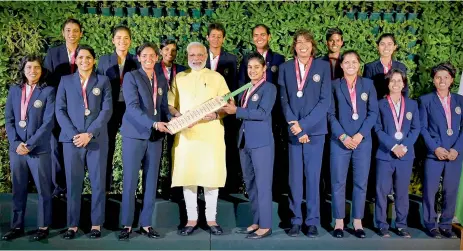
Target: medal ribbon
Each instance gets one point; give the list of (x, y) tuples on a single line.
[(397, 122), (448, 113), (84, 89), (250, 90), (353, 95), (166, 73), (25, 101), (155, 89), (301, 83)]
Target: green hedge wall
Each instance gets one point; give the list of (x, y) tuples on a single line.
[(434, 36)]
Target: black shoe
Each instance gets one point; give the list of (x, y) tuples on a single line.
[(448, 233), (69, 234), (434, 233), (124, 234), (40, 234), (295, 230), (359, 233), (187, 230), (312, 231), (384, 232), (13, 234), (402, 232), (95, 234), (245, 231), (216, 230), (338, 233), (253, 235), (151, 233)]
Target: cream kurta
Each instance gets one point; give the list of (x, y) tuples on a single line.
[(198, 153)]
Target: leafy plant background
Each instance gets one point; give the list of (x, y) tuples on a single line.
[(32, 27)]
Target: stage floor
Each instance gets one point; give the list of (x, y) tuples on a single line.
[(232, 213)]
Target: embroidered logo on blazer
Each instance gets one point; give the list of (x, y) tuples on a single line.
[(364, 96), (225, 71), (96, 91), (409, 115), (160, 91), (457, 110), (38, 104), (316, 78), (274, 68), (255, 97)]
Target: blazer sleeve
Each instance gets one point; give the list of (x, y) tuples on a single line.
[(458, 146), (242, 72), (415, 129), (61, 110), (263, 110), (165, 106), (320, 110), (383, 138), (13, 137), (336, 128), (372, 113), (48, 121), (132, 102), (100, 69), (289, 115), (428, 140), (106, 111), (367, 73)]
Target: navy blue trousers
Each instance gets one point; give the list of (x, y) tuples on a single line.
[(392, 174), (433, 170), (257, 166), (136, 154), (94, 157), (339, 166), (40, 168), (305, 159)]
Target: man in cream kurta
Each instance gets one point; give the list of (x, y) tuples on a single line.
[(199, 151)]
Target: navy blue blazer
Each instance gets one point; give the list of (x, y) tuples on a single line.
[(227, 67), (108, 66), (385, 129), (311, 109), (57, 63), (257, 116), (160, 72), (375, 72), (434, 123), (70, 108), (340, 114), (338, 72), (273, 61), (40, 119), (139, 116)]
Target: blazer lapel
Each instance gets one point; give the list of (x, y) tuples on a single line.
[(77, 85), (113, 61), (358, 94), (146, 81), (91, 83), (455, 117), (345, 91), (35, 95), (63, 55), (379, 67), (439, 104)]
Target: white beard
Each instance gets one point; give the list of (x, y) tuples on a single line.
[(197, 68)]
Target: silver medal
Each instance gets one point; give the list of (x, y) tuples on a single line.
[(398, 135), (155, 111), (450, 132), (355, 116), (22, 123), (299, 94), (87, 112)]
